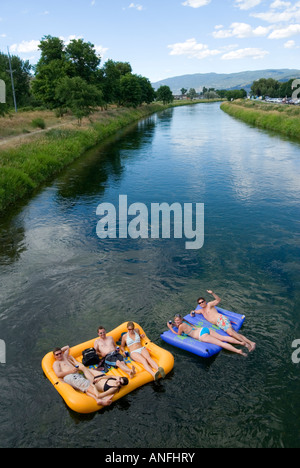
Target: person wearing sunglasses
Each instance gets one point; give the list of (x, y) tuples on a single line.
[(74, 373), (106, 347), (210, 313), (204, 334)]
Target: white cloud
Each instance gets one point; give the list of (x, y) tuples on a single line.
[(100, 50), (290, 45), (247, 4), (240, 30), (288, 12), (283, 33), (192, 49), (196, 3), (25, 47), (136, 6), (254, 53), (280, 4)]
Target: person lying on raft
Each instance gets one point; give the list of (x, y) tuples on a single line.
[(68, 370), (210, 313), (139, 353), (205, 335), (106, 384), (106, 347)]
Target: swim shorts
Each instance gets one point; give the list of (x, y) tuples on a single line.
[(223, 322), (112, 358), (77, 381)]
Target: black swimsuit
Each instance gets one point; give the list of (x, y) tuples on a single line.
[(106, 386)]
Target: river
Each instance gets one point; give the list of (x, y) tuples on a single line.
[(59, 281)]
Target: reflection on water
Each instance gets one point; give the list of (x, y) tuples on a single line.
[(59, 282)]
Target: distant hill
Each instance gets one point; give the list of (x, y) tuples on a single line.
[(225, 81)]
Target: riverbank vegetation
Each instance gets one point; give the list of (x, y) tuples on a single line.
[(69, 105), (279, 118), (25, 166)]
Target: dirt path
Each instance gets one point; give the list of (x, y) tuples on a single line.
[(19, 139)]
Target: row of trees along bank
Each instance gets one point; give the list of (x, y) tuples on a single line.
[(69, 77)]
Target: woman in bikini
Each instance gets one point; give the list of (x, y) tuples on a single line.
[(139, 353), (109, 385), (204, 334)]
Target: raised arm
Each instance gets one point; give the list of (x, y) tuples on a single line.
[(217, 298)]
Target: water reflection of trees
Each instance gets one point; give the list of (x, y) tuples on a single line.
[(90, 173)]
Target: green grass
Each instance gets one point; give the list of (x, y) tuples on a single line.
[(282, 119), (25, 167)]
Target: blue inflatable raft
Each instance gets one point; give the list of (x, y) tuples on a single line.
[(198, 347)]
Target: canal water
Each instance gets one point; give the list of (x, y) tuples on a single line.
[(59, 282)]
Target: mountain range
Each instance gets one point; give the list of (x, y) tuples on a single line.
[(225, 81)]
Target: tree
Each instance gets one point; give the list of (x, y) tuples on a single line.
[(192, 93), (183, 91), (46, 81), (50, 69), (112, 73), (22, 76), (286, 89), (148, 93), (265, 87), (52, 48), (78, 96), (236, 94), (83, 59), (130, 90), (164, 94)]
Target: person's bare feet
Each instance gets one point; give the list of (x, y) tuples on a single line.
[(133, 372), (106, 401)]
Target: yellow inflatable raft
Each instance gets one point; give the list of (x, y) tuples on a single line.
[(82, 403)]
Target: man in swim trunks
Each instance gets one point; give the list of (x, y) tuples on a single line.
[(204, 334), (67, 369), (106, 347), (210, 313)]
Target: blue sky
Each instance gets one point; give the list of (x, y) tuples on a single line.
[(162, 38)]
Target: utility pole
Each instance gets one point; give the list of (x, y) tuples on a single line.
[(12, 81)]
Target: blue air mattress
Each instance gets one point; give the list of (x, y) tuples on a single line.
[(198, 347)]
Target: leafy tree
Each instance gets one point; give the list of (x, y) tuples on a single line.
[(52, 48), (192, 93), (221, 93), (285, 89), (112, 73), (79, 96), (164, 94), (148, 93), (265, 87), (46, 81), (22, 76), (130, 90), (236, 94), (83, 59), (183, 91)]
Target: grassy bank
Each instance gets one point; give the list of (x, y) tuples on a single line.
[(279, 118), (28, 158)]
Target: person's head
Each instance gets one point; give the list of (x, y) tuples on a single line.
[(178, 319), (201, 301), (124, 381), (121, 381), (57, 353), (101, 332), (130, 326)]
